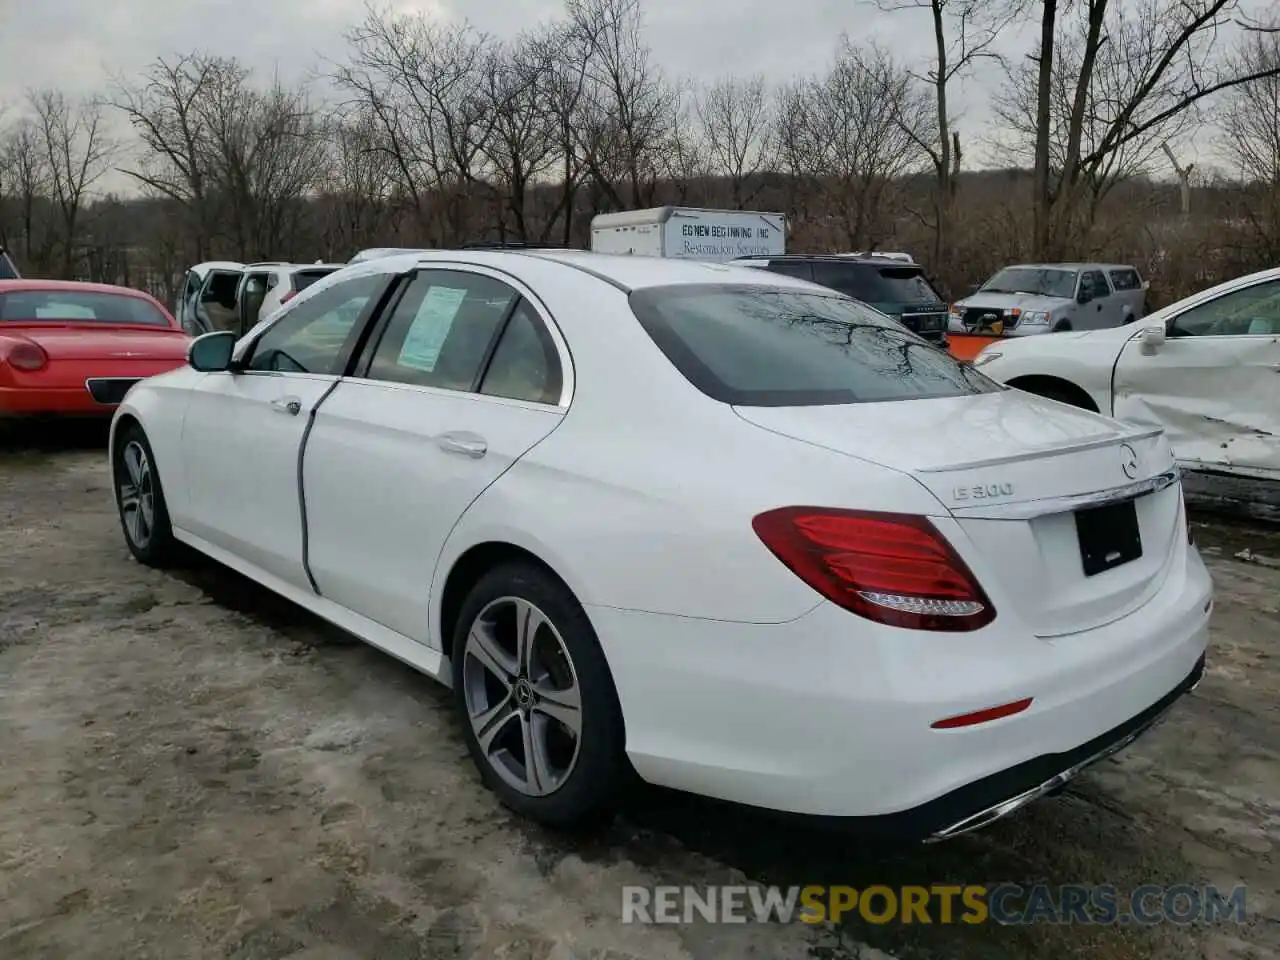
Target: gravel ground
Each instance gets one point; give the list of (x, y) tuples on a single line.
[(190, 767)]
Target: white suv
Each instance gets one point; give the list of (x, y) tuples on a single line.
[(265, 287)]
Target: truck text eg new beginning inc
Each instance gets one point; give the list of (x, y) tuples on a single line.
[(690, 233)]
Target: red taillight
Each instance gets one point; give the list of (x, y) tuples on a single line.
[(287, 297), (26, 356), (893, 568)]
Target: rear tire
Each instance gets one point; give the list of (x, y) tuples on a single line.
[(144, 516), (531, 684)]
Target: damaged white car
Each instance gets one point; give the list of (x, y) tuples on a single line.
[(1206, 369)]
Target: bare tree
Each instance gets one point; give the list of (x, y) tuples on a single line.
[(169, 112), (1129, 73), (521, 148), (1251, 145), (964, 32), (845, 132), (423, 82), (358, 186), (266, 152), (735, 117), (28, 187), (77, 153), (627, 110)]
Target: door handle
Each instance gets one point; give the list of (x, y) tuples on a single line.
[(468, 444), (289, 405)]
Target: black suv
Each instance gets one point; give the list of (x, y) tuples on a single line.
[(7, 270), (891, 286)]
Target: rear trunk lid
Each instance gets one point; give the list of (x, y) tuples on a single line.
[(1014, 470), (87, 341)]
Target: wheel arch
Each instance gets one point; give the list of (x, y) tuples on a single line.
[(472, 564), (1042, 384)]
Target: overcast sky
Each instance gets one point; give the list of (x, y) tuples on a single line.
[(77, 45)]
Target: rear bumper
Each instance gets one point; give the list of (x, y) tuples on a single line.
[(24, 402), (993, 798), (828, 716)]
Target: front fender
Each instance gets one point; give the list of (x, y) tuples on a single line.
[(159, 405)]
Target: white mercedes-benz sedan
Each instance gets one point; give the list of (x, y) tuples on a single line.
[(729, 531)]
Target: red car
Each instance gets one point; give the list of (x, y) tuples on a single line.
[(75, 349)]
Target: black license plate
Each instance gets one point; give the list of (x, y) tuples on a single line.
[(1109, 536)]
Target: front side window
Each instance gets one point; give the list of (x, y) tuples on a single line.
[(311, 337), (67, 306), (761, 347), (442, 330), (1254, 311), (1036, 281)]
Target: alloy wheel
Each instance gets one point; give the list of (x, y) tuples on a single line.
[(522, 696), (137, 494)]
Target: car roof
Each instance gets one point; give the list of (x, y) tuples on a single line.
[(845, 258), (211, 265), (1070, 266), (71, 286), (623, 271)]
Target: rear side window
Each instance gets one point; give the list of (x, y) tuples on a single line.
[(69, 306), (305, 278), (763, 347), (7, 270), (525, 365), (1125, 279), (876, 284), (442, 330)]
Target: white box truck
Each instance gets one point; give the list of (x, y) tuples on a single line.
[(690, 233)]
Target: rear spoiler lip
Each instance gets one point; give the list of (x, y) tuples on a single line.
[(1041, 454)]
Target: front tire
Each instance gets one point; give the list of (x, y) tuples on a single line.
[(144, 516), (537, 702)]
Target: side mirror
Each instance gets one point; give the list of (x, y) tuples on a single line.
[(1084, 296), (211, 353), (1152, 338)]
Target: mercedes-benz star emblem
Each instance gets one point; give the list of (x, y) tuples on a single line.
[(1128, 460)]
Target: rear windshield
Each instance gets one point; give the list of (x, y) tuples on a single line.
[(305, 278), (1033, 280), (872, 284), (7, 270), (759, 346), (72, 306)]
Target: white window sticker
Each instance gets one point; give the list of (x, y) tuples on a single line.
[(430, 327), (65, 311)]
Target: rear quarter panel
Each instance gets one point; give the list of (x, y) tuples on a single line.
[(643, 497)]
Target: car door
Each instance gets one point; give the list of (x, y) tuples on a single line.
[(1214, 384), (464, 376), (243, 429), (1093, 312), (251, 298), (216, 306), (184, 310), (1129, 293)]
